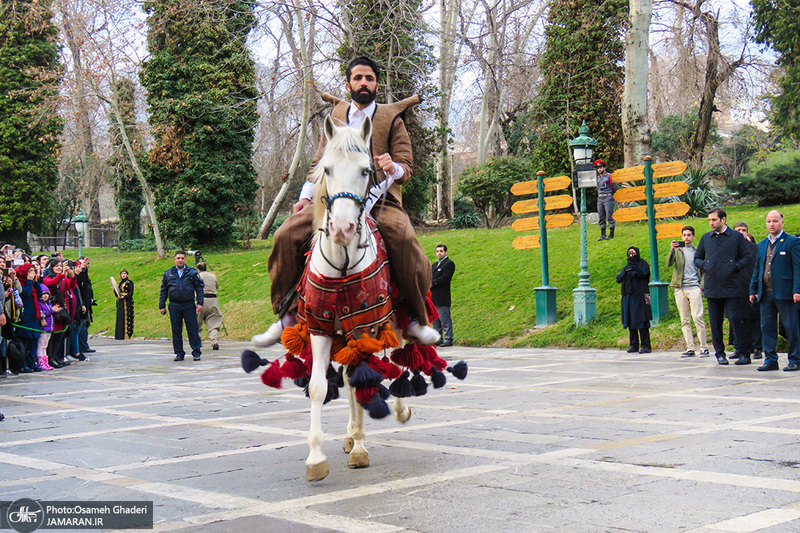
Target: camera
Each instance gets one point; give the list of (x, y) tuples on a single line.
[(194, 253)]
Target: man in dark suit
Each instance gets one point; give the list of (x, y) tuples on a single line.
[(443, 271), (776, 286), (182, 284), (722, 253)]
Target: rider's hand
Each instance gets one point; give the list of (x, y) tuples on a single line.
[(301, 203), (385, 162)]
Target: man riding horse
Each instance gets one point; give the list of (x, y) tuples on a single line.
[(392, 153)]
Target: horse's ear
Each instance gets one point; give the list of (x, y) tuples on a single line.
[(330, 128), (366, 129)]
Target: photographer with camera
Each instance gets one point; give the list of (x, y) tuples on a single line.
[(688, 284), (211, 314)]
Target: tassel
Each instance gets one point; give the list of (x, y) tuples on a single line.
[(340, 377), (459, 370), (419, 384), (378, 408), (302, 382), (364, 376), (385, 367), (387, 337), (272, 376), (293, 368), (330, 374), (333, 392), (401, 387), (409, 356), (401, 320), (438, 378), (433, 313), (295, 338), (367, 345), (364, 396), (383, 392), (251, 361), (349, 355)]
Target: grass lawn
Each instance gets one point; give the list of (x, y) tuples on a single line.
[(493, 297)]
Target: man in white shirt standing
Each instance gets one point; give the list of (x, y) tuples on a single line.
[(688, 283)]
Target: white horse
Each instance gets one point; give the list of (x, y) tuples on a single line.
[(344, 246)]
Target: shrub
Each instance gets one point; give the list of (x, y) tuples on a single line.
[(489, 186), (775, 185)]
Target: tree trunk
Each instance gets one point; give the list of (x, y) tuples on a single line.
[(635, 129), (449, 14), (272, 214)]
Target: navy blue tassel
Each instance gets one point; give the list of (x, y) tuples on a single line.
[(331, 373), (401, 387), (333, 392), (459, 370), (419, 384), (340, 377), (438, 379), (384, 392), (364, 377), (251, 361), (302, 382), (378, 408)]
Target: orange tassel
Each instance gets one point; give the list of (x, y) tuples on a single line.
[(349, 355), (367, 345), (294, 339), (387, 337)]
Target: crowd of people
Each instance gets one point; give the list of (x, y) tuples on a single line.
[(47, 308)]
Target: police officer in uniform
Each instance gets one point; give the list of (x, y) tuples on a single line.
[(182, 284), (605, 200)]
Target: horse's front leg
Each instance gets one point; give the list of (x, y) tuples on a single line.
[(402, 412), (317, 463), (359, 456)]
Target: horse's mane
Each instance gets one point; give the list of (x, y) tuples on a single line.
[(345, 144)]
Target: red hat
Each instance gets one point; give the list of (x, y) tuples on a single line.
[(599, 163), (22, 271)]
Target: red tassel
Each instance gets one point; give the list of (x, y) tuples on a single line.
[(293, 368), (401, 318), (409, 356), (272, 376), (385, 367), (365, 395), (433, 314)]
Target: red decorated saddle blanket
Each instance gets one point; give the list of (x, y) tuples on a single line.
[(360, 301)]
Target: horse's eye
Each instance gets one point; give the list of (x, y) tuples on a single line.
[(327, 171), (365, 172)]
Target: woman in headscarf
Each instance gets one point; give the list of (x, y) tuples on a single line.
[(124, 326), (636, 311)]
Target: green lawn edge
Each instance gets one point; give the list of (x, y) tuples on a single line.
[(492, 290)]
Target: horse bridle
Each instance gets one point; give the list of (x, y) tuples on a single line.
[(328, 200)]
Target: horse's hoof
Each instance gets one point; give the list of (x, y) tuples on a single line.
[(358, 460), (317, 472), (269, 337), (403, 415), (348, 444)]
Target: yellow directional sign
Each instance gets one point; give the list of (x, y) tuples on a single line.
[(630, 214), (660, 170), (523, 243), (660, 190), (550, 202), (669, 231), (551, 221), (550, 184)]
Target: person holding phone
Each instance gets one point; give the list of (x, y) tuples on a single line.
[(687, 282)]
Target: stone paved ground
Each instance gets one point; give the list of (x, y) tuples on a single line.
[(533, 441)]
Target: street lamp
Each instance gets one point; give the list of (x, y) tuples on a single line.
[(584, 176), (80, 226)]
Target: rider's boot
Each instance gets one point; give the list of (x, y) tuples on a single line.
[(424, 334), (273, 333)]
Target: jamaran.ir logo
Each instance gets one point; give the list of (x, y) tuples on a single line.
[(25, 515)]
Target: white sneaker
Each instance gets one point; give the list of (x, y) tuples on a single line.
[(269, 337), (424, 334)]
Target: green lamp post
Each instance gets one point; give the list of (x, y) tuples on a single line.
[(584, 297), (80, 221)]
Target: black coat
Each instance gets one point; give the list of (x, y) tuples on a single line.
[(721, 257), (636, 310), (440, 282)]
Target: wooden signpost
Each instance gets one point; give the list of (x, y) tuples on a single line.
[(652, 211), (545, 295)]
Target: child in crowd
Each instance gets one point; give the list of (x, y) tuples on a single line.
[(46, 312)]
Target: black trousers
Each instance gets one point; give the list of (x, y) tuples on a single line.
[(640, 338), (184, 313), (718, 309)]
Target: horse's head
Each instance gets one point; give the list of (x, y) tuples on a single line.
[(343, 180)]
